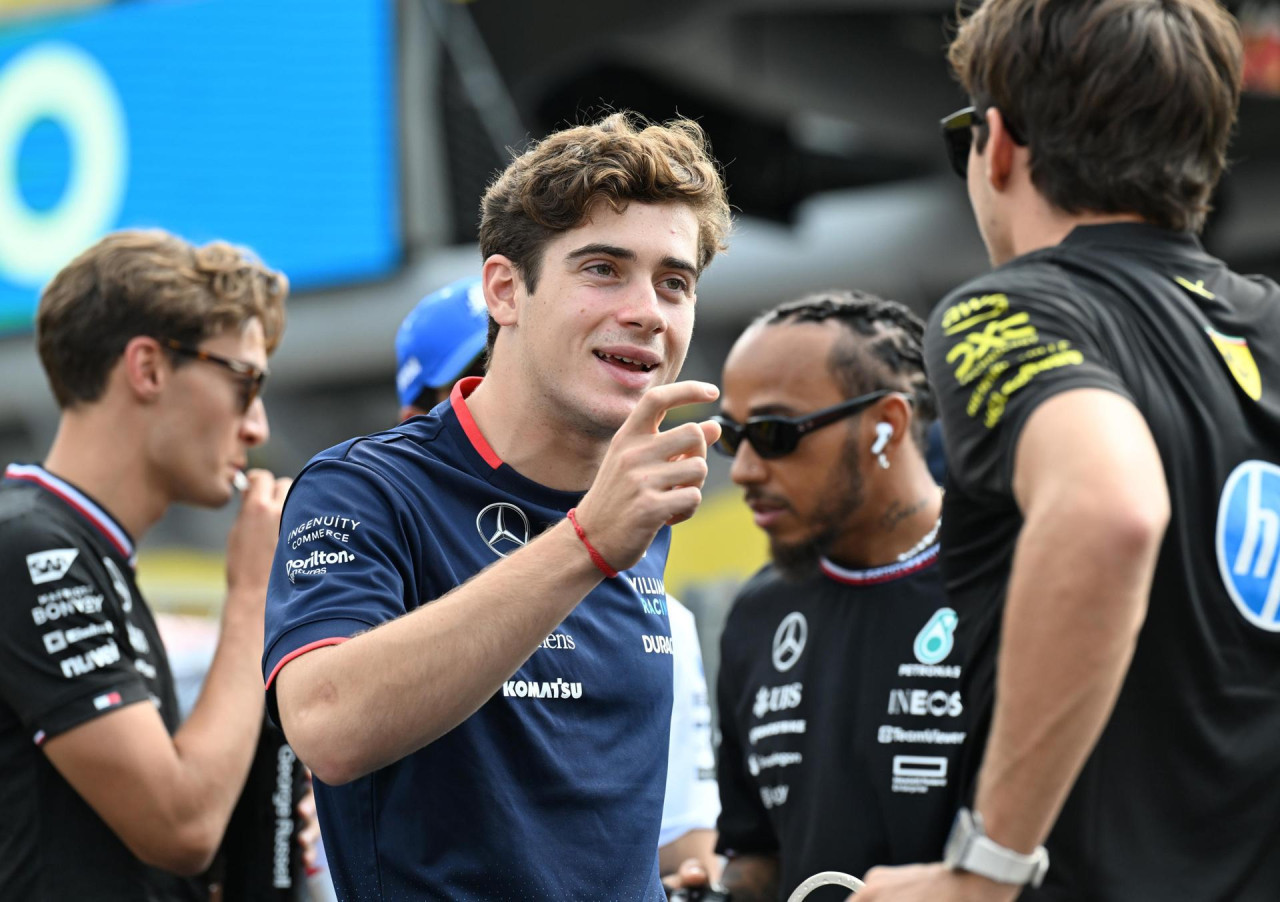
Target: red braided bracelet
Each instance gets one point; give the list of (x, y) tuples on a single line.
[(596, 557)]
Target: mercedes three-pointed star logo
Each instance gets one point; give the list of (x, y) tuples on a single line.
[(504, 528), (788, 641)]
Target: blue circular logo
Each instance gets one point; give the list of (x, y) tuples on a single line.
[(44, 164), (63, 158), (1248, 542)]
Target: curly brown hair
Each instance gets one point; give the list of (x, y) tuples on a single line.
[(552, 186), (147, 282), (1127, 105)]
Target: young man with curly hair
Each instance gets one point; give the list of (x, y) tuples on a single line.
[(467, 637), (156, 352)]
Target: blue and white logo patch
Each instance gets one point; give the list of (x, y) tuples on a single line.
[(935, 641), (1247, 541)]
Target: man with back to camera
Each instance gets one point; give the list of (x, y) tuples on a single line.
[(840, 713), (459, 751), (1108, 397), (441, 341), (156, 352)]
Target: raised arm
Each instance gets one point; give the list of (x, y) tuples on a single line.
[(1090, 485), (169, 798), (351, 708)]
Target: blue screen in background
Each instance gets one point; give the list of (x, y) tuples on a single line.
[(269, 124)]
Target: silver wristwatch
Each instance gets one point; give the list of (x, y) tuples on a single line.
[(970, 849)]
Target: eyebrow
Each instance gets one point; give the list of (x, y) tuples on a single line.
[(622, 253), (764, 410)]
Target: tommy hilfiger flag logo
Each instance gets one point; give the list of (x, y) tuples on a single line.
[(107, 700)]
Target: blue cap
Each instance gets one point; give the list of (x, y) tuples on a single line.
[(440, 338)]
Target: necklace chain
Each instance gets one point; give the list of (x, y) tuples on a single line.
[(924, 543)]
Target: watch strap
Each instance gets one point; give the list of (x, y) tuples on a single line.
[(970, 849), (990, 859)]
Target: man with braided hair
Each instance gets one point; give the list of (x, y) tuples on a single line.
[(838, 692), (467, 630)]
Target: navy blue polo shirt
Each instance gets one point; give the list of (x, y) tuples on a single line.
[(553, 789)]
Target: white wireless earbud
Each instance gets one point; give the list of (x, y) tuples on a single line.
[(884, 432)]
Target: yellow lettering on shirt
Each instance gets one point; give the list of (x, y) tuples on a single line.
[(982, 347), (967, 314), (1196, 287)]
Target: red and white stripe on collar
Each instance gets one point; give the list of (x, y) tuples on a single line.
[(880, 574), (458, 398), (79, 502)]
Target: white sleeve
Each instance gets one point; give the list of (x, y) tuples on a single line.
[(692, 801)]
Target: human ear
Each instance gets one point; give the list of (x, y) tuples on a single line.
[(998, 155), (144, 367), (501, 283)]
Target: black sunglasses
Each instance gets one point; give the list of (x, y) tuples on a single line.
[(251, 379), (777, 436), (957, 135)]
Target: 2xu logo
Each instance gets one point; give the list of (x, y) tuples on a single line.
[(1247, 542)]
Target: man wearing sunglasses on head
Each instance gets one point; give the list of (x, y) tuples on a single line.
[(840, 714), (1109, 403), (156, 351)]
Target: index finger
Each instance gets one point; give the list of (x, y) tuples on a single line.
[(654, 404), (281, 492), (261, 482)]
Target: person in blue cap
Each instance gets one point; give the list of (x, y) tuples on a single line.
[(440, 341)]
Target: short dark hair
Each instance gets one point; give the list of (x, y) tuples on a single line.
[(884, 347), (137, 282), (1127, 106), (552, 187)]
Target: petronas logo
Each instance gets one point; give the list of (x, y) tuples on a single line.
[(935, 641)]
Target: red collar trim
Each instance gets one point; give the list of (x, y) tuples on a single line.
[(458, 398), (80, 503), (299, 652), (880, 574)]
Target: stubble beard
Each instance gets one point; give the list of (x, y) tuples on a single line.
[(844, 495)]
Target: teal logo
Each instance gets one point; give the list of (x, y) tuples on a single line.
[(936, 640)]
